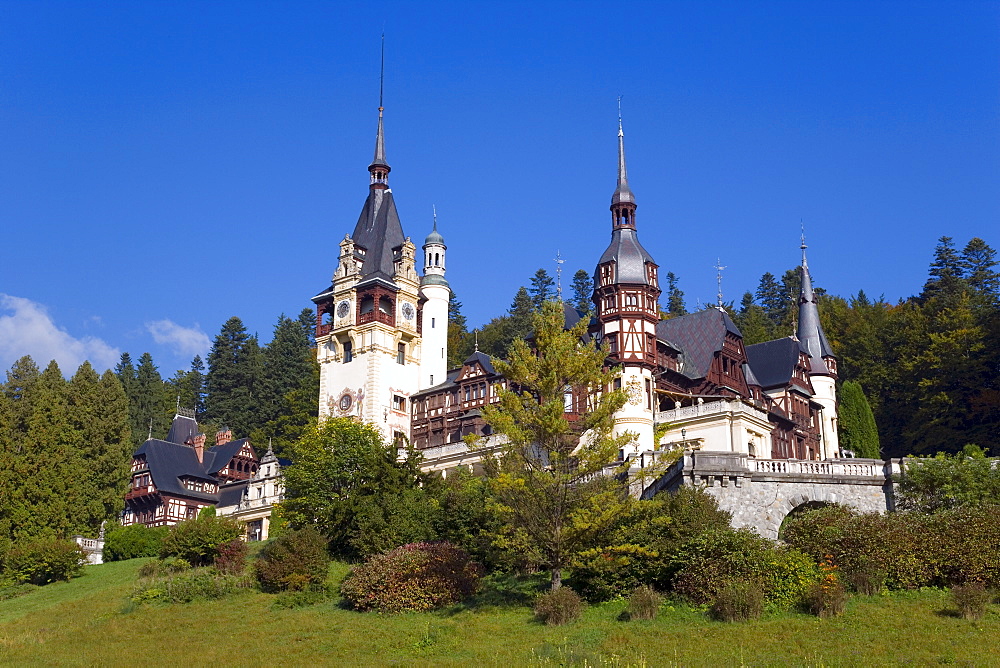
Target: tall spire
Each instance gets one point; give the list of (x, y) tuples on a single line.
[(379, 168), (623, 201), (809, 331)]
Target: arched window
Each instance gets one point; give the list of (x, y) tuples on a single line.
[(385, 305), (367, 305)]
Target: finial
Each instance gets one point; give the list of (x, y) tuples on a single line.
[(620, 133), (559, 264), (177, 409), (803, 244), (150, 435), (435, 212), (476, 332), (381, 76), (718, 277)]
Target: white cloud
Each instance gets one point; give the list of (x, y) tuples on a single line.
[(27, 329), (187, 341)]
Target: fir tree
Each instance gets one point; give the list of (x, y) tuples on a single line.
[(542, 288), (459, 342), (307, 320), (675, 296), (150, 405), (977, 265), (945, 282), (771, 298), (548, 478), (583, 291), (233, 379), (858, 432), (126, 374), (754, 324), (287, 361)]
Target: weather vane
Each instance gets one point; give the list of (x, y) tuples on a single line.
[(718, 277), (559, 264)]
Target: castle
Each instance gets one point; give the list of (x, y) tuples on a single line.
[(757, 425)]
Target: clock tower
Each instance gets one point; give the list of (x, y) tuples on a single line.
[(369, 321)]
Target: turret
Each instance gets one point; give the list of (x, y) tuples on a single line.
[(822, 362), (434, 289)]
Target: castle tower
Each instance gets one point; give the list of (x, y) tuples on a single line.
[(368, 321), (822, 362), (436, 293), (626, 293)]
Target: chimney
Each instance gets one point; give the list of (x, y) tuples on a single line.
[(198, 443), (223, 436)]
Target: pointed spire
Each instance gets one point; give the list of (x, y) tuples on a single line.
[(809, 331), (379, 168), (623, 194)]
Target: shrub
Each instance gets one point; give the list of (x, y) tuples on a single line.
[(558, 607), (708, 564), (971, 600), (644, 545), (738, 602), (197, 540), (133, 541), (163, 567), (827, 597), (866, 579), (199, 584), (232, 557), (44, 560), (295, 560), (644, 603), (418, 576)]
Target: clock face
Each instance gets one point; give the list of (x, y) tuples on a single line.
[(408, 311), (343, 308), (345, 402)]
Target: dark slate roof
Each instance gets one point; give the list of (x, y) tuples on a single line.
[(182, 430), (168, 462), (630, 258), (218, 457), (483, 359), (449, 382), (231, 494), (773, 362), (699, 336), (810, 331), (380, 233)]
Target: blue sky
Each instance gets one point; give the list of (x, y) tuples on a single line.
[(164, 166)]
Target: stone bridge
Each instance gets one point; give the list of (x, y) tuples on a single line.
[(760, 493)]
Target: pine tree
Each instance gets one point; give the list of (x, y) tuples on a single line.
[(771, 298), (53, 494), (150, 405), (675, 296), (858, 432), (111, 458), (287, 361), (977, 265), (188, 387), (459, 342), (753, 322), (583, 291), (549, 477), (18, 468), (542, 288), (945, 282), (233, 379), (307, 320)]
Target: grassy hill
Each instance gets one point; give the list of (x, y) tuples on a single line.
[(85, 622)]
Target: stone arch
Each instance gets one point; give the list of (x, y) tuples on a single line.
[(798, 510), (776, 512)]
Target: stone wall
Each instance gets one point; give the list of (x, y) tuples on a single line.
[(761, 493)]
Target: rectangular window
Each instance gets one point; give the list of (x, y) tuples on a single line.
[(348, 353), (432, 322), (398, 403), (401, 354)]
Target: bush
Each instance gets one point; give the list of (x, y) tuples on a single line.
[(133, 541), (199, 584), (163, 567), (644, 603), (44, 560), (908, 550), (558, 607), (232, 557), (644, 545), (827, 597), (197, 540), (866, 579), (738, 602), (296, 560), (418, 576), (710, 563), (971, 600)]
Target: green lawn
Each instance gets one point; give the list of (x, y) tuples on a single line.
[(82, 623)]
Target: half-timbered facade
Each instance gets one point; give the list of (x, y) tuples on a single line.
[(174, 478)]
